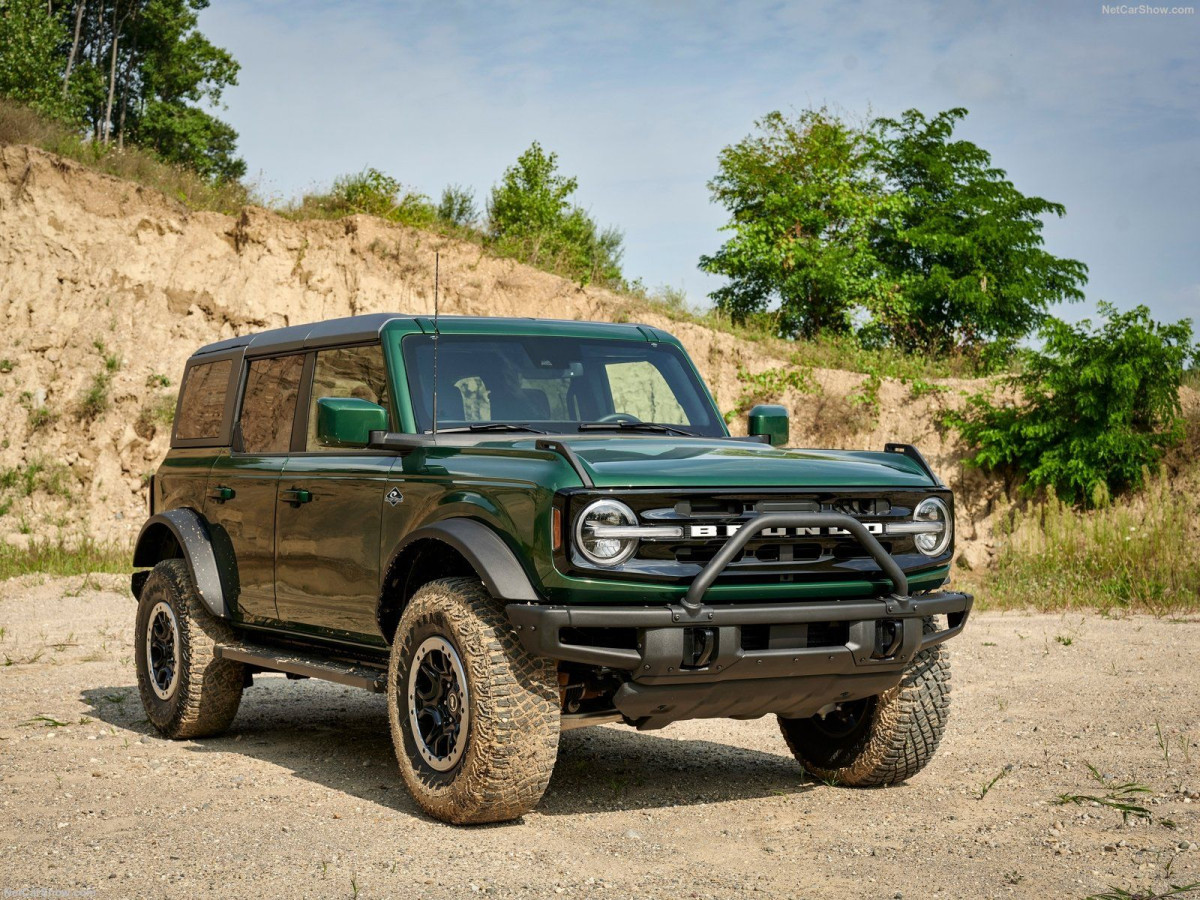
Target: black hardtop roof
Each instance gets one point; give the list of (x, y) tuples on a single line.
[(354, 329)]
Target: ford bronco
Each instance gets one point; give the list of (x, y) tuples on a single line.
[(516, 527)]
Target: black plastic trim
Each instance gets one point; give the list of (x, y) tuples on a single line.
[(661, 636), (761, 523), (191, 533), (914, 454), (568, 452), (487, 553)]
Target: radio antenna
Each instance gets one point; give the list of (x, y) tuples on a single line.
[(436, 335)]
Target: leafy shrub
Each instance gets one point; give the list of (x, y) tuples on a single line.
[(1093, 410), (457, 207), (369, 192), (769, 385), (531, 218)]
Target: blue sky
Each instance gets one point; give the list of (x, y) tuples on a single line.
[(1097, 111)]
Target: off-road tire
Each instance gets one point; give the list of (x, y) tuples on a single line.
[(206, 690), (900, 731), (512, 701)]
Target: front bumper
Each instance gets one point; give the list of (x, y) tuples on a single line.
[(661, 657)]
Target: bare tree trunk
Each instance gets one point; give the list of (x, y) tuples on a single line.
[(112, 83), (97, 54), (79, 6), (129, 65)]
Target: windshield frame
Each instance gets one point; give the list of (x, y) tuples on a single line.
[(696, 403)]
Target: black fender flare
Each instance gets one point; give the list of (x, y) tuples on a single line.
[(217, 587), (485, 550)]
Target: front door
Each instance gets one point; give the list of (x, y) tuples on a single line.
[(330, 509), (242, 496)]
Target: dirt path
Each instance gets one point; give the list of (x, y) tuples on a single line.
[(302, 798)]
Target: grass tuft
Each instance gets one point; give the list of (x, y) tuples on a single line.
[(62, 558), (1120, 796), (1134, 554)]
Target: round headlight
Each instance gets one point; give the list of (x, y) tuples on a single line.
[(598, 548), (932, 510)]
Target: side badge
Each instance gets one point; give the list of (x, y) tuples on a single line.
[(394, 497)]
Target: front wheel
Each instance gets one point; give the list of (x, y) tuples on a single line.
[(880, 740), (474, 717)]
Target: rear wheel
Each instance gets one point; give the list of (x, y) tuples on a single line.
[(474, 717), (186, 690), (879, 740)]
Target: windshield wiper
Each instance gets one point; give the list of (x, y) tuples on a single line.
[(491, 426), (635, 426)]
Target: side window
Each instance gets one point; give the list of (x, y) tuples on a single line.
[(348, 372), (269, 407), (202, 400), (639, 389)]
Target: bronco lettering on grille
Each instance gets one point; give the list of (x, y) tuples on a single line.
[(717, 531)]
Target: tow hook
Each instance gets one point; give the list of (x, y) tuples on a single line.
[(699, 647), (889, 633)]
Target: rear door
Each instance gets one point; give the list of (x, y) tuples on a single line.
[(331, 506), (242, 497)]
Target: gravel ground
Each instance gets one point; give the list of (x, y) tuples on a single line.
[(302, 797)]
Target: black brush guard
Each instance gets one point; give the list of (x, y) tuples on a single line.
[(884, 633)]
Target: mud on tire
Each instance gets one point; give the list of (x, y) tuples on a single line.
[(201, 695), (511, 704), (894, 735)]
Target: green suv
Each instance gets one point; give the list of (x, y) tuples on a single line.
[(515, 527)]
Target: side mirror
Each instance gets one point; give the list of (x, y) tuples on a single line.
[(770, 420), (348, 421)]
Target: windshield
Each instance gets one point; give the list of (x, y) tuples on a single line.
[(556, 385)]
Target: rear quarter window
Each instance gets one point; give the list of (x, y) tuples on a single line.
[(202, 401)]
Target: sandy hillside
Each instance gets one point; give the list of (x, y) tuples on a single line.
[(94, 267)]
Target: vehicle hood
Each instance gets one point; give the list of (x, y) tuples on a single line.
[(668, 462)]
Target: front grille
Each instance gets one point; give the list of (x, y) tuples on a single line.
[(769, 558)]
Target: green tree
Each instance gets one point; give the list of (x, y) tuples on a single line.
[(802, 197), (136, 70), (531, 217), (532, 199), (1092, 410), (962, 251), (31, 64)]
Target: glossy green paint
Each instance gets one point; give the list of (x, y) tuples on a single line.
[(248, 519), (348, 421), (769, 419), (510, 486), (327, 550)]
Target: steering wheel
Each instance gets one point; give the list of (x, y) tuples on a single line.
[(619, 417)]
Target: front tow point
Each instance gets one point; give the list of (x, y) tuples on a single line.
[(699, 647), (889, 635)]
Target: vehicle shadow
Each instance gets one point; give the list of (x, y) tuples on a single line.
[(339, 738)]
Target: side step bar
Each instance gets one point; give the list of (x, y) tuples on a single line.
[(293, 662)]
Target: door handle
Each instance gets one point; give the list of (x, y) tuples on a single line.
[(295, 496), (221, 493)]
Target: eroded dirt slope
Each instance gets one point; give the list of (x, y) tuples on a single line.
[(92, 267)]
